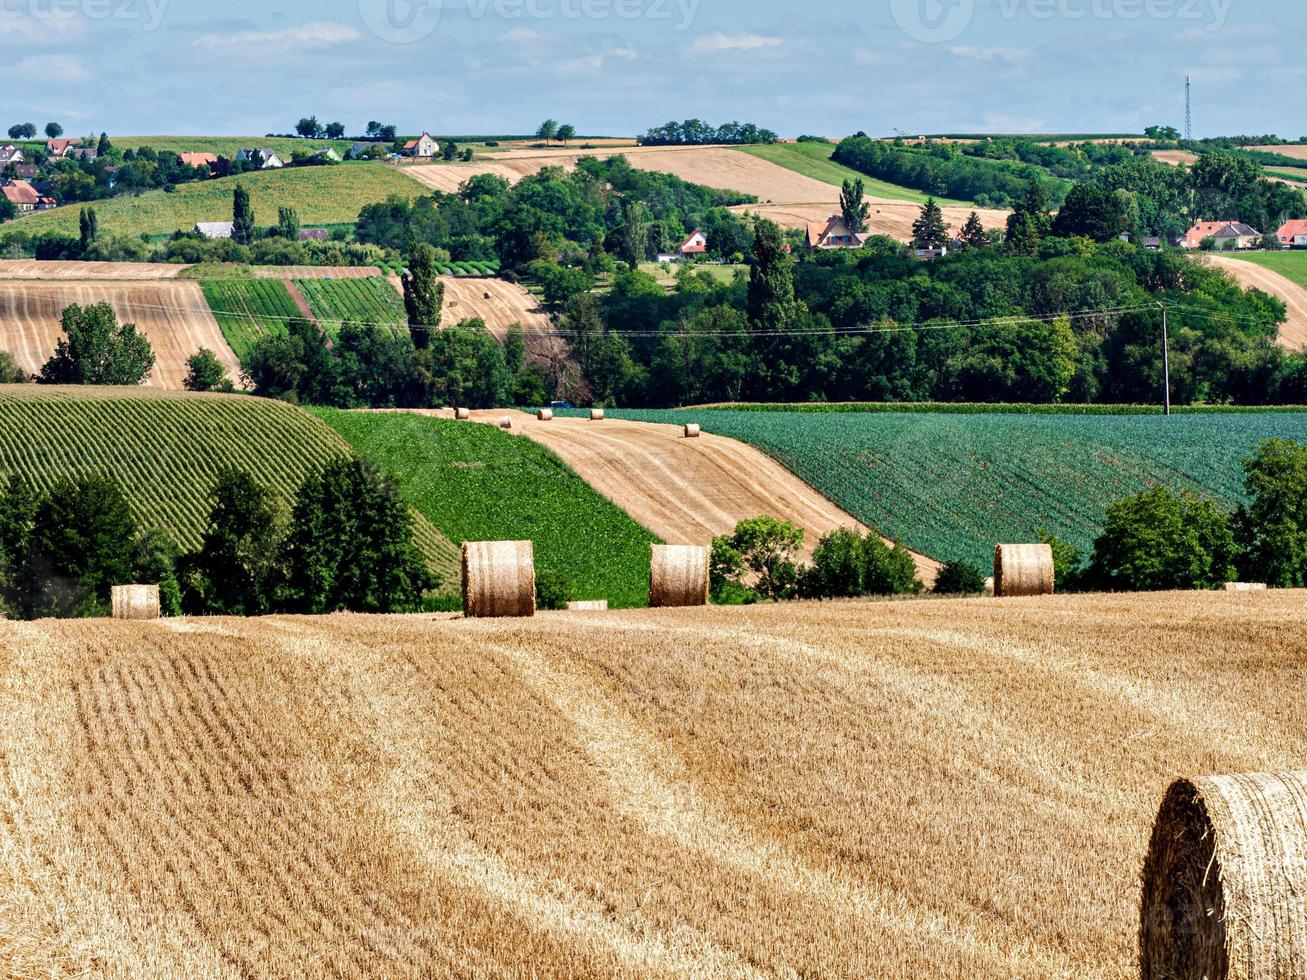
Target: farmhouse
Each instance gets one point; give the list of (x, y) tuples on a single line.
[(424, 147), (269, 157), (1228, 235), (694, 246), (24, 196), (59, 148), (1293, 234), (10, 154), (835, 233), (198, 160), (215, 229)]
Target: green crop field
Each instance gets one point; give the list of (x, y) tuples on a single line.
[(476, 483), (229, 146), (953, 486), (166, 449), (814, 160), (247, 309), (1291, 265), (322, 195), (335, 302)]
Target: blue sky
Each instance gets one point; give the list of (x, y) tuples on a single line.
[(244, 67)]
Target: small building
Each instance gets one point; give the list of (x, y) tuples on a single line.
[(1293, 234), (423, 148), (25, 197), (365, 150), (200, 161), (268, 155), (315, 235), (668, 258), (215, 229), (1152, 243), (59, 148), (693, 247), (835, 233), (88, 153), (330, 155), (930, 254), (1228, 235), (11, 154), (26, 171)]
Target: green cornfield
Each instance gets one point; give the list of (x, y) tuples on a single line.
[(248, 309), (335, 302), (953, 486)]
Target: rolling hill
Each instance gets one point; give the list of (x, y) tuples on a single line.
[(899, 789), (1284, 276)]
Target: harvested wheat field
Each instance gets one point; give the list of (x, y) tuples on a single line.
[(687, 491), (449, 177), (956, 788), (1175, 157), (1293, 332), (1296, 150), (893, 218), (173, 315), (316, 271), (82, 271)]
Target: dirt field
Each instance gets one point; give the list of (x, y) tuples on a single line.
[(173, 315), (928, 789), (1298, 151), (83, 271), (1293, 333), (687, 491), (1175, 157), (893, 218)]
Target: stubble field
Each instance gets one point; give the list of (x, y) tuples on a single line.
[(895, 789)]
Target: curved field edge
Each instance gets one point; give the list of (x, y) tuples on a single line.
[(954, 486), (476, 483), (166, 449)]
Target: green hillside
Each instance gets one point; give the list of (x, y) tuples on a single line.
[(229, 146), (953, 486), (477, 483), (322, 195), (814, 160), (335, 302), (166, 449)]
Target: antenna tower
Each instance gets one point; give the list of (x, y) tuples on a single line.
[(1188, 109)]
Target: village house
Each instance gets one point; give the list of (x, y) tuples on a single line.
[(10, 154), (1293, 234), (25, 171), (59, 148), (315, 235), (1228, 235), (215, 229), (330, 155), (89, 153), (25, 197), (424, 147), (269, 156), (696, 246), (835, 233), (199, 161)]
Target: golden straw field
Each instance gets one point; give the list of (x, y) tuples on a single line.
[(898, 789)]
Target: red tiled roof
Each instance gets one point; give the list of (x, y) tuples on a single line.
[(21, 192), (1290, 229), (690, 247), (198, 159)]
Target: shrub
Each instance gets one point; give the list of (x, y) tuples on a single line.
[(10, 372), (759, 558), (845, 564), (959, 578), (553, 591), (1272, 527), (1159, 540), (1067, 570), (206, 373)]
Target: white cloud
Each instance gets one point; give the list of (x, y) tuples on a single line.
[(1006, 55), (714, 43), (318, 35), (52, 68)]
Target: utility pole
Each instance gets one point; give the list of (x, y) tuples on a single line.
[(1166, 359)]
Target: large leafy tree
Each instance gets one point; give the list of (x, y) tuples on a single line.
[(853, 208), (424, 294), (95, 350), (1272, 527), (1092, 212), (350, 545), (548, 130), (771, 303)]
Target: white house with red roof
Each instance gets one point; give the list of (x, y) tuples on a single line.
[(60, 147), (1228, 235), (835, 233), (1293, 234), (694, 246), (424, 147)]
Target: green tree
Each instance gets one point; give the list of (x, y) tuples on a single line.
[(335, 130), (759, 558), (53, 130), (450, 150), (566, 133), (237, 569), (771, 303), (853, 208), (308, 127), (18, 504), (959, 578), (242, 232), (1272, 526), (95, 350), (350, 545), (23, 131), (1028, 223), (424, 294), (1159, 540), (204, 372), (103, 146), (548, 130), (930, 230), (635, 232), (275, 366), (1091, 211), (847, 564), (973, 234), (1067, 562), (10, 372), (8, 210), (90, 228), (288, 224)]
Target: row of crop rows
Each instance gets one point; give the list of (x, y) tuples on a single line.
[(248, 310), (335, 302)]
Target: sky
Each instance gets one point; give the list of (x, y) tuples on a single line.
[(618, 67)]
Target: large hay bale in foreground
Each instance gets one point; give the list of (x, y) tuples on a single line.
[(545, 415), (1245, 587), (678, 576), (692, 430), (135, 601), (588, 605), (1225, 880), (463, 414), (596, 415), (499, 579), (1023, 570)]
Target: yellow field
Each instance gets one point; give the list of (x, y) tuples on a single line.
[(916, 789)]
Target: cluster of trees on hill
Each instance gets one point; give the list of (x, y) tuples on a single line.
[(696, 132), (347, 544)]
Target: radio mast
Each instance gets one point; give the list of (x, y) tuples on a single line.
[(1188, 110)]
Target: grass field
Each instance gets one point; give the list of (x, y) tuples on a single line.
[(322, 195), (335, 302), (814, 160), (953, 486), (901, 789), (247, 309), (1292, 265), (229, 146), (476, 483)]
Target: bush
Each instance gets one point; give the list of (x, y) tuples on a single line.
[(845, 564), (1067, 570), (553, 591), (758, 559), (1272, 527), (10, 372), (1159, 540), (959, 578)]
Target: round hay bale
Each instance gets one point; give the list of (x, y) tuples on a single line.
[(463, 414), (692, 430), (678, 576), (1023, 570), (506, 423), (545, 415), (499, 579), (596, 415), (1225, 880), (589, 605), (135, 601), (1245, 587)]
